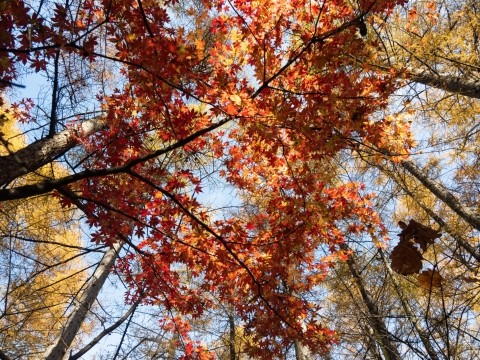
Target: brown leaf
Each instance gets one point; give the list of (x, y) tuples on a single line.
[(406, 259), (421, 234), (430, 278)]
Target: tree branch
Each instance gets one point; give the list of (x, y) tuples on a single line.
[(105, 332), (49, 185), (43, 151), (450, 83)]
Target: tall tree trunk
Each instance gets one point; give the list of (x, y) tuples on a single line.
[(443, 194), (408, 310), (231, 343), (63, 341), (299, 351), (384, 337), (45, 150), (453, 84), (105, 332)]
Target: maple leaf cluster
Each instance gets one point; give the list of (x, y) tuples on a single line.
[(266, 93)]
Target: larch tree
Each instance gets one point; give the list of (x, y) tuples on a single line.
[(42, 256), (425, 288)]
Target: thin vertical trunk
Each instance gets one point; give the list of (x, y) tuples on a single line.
[(231, 344), (408, 310), (61, 344), (384, 337), (105, 332), (299, 353)]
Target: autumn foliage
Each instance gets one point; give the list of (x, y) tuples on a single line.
[(415, 239), (267, 92)]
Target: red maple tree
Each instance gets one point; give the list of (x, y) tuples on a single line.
[(267, 91)]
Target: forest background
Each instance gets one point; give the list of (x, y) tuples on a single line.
[(239, 179)]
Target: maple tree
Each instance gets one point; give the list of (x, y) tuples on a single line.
[(280, 93), (264, 99)]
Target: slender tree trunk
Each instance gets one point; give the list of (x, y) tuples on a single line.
[(105, 332), (443, 194), (61, 344), (408, 310), (299, 353), (231, 345), (43, 151), (384, 337)]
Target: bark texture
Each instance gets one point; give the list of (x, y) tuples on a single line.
[(61, 344), (453, 84), (45, 150), (105, 332)]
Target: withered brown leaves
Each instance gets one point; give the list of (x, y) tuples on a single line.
[(430, 278), (406, 257)]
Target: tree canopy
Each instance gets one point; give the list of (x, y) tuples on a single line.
[(245, 163)]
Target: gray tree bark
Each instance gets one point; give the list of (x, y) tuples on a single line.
[(45, 150), (231, 344), (105, 332), (299, 351), (450, 83), (65, 338)]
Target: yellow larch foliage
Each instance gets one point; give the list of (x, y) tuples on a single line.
[(40, 245)]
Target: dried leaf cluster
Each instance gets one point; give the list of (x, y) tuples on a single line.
[(406, 257)]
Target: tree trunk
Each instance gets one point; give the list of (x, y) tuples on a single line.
[(61, 344), (231, 345), (383, 336), (45, 150), (453, 84), (299, 351), (105, 332), (443, 194)]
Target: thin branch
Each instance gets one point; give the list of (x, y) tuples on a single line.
[(49, 185), (105, 332)]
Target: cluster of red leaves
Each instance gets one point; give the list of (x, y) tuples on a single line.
[(281, 79)]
